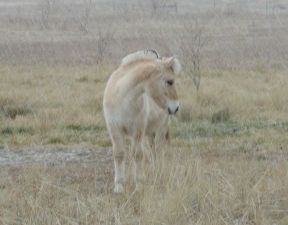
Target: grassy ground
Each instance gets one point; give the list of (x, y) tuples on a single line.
[(52, 106), (227, 163)]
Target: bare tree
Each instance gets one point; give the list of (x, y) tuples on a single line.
[(86, 18), (46, 7), (165, 6), (105, 37), (194, 41)]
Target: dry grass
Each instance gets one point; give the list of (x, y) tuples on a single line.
[(231, 172), (65, 104), (227, 162), (186, 188)]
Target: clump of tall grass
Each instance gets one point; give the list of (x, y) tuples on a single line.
[(9, 108)]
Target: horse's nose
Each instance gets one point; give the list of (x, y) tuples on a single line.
[(176, 110), (173, 107)]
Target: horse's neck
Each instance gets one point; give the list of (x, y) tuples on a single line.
[(134, 81), (133, 93), (135, 84)]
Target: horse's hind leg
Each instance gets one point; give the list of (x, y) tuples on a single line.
[(119, 160)]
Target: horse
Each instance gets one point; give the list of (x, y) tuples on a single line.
[(141, 87)]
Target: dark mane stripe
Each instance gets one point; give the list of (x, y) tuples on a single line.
[(153, 51), (142, 54)]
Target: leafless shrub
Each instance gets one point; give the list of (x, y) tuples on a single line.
[(86, 18), (46, 7), (105, 37), (9, 108), (163, 6), (194, 41), (155, 6)]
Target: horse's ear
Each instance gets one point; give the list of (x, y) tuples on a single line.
[(174, 64)]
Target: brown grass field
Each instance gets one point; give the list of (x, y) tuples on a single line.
[(228, 158)]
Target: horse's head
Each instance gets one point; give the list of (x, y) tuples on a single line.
[(161, 86)]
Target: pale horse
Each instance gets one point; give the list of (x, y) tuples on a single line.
[(141, 87), (157, 130)]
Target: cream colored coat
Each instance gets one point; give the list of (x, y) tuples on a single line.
[(138, 97)]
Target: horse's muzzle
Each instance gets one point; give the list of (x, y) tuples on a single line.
[(173, 107)]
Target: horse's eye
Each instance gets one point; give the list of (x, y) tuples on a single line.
[(170, 82)]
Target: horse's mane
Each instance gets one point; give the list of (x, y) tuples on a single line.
[(142, 54)]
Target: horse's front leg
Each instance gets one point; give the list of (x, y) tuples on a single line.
[(137, 147), (119, 161)]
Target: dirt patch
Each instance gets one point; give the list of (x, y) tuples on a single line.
[(55, 155)]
